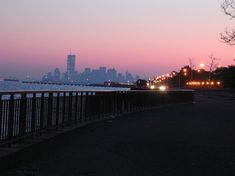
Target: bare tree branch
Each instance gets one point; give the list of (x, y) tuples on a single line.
[(228, 37), (228, 7), (213, 64)]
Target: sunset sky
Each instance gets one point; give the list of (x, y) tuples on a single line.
[(146, 37)]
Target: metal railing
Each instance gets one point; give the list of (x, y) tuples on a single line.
[(26, 113)]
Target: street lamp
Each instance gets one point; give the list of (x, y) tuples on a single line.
[(202, 65), (219, 66), (185, 72)]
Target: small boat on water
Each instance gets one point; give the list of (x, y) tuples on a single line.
[(12, 80)]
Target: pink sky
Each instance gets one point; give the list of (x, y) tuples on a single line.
[(144, 37)]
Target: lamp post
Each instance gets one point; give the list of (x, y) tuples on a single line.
[(179, 79)]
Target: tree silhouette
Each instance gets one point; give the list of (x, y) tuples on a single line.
[(213, 64), (228, 7), (191, 65)]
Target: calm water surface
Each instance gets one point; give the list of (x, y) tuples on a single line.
[(17, 86)]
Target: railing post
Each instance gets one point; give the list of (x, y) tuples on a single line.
[(42, 112), (63, 114), (97, 112), (122, 103), (34, 110), (23, 110), (92, 106), (86, 107), (128, 102), (57, 110), (81, 107), (115, 103), (70, 108), (49, 112), (1, 117), (104, 99), (11, 111), (76, 107), (99, 104), (110, 103)]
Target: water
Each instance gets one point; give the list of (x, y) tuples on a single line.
[(8, 86)]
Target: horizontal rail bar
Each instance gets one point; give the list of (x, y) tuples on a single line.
[(96, 91)]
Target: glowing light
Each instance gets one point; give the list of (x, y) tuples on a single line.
[(185, 70), (152, 87), (202, 65), (202, 83), (162, 88), (198, 70), (185, 74)]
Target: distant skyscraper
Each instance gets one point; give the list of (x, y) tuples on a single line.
[(129, 77), (71, 67), (57, 75), (120, 77), (102, 74), (112, 75)]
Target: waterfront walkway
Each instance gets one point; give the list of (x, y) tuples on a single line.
[(186, 140)]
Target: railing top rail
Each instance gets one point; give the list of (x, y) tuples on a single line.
[(88, 91), (57, 91)]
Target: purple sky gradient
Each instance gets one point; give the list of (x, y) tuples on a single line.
[(146, 37)]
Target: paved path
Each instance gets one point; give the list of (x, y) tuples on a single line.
[(187, 140)]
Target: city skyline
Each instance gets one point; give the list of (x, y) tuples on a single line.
[(88, 75), (145, 37)]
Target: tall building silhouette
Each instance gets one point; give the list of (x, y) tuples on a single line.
[(71, 67), (57, 75)]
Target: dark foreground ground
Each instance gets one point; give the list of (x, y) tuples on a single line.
[(187, 140)]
